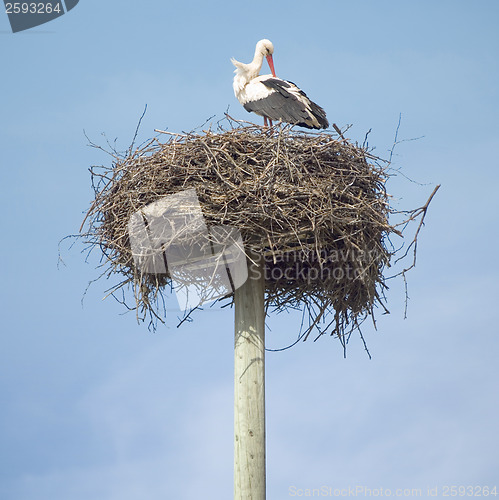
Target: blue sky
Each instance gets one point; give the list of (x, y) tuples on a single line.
[(95, 406)]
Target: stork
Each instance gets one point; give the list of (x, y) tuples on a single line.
[(271, 97)]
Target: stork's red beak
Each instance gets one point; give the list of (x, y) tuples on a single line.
[(271, 64)]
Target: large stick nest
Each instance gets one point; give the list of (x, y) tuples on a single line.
[(313, 205)]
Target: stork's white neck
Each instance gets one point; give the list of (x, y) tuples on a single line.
[(246, 72)]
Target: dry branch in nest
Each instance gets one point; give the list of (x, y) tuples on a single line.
[(315, 207)]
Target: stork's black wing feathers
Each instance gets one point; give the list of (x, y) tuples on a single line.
[(283, 104)]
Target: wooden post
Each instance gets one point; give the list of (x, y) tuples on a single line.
[(249, 386)]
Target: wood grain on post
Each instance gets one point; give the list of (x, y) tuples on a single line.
[(249, 386)]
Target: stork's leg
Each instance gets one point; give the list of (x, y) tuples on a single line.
[(270, 121), (265, 124)]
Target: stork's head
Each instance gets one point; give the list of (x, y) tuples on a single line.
[(266, 48)]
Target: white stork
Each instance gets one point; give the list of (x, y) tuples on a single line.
[(271, 97)]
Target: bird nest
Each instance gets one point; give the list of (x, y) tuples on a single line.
[(312, 206)]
